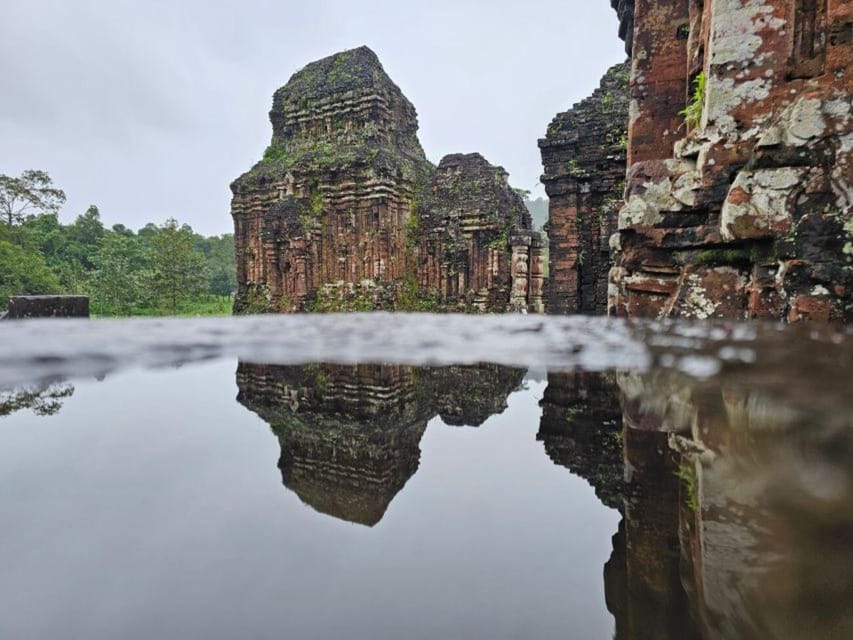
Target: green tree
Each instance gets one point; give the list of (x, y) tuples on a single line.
[(221, 263), (148, 232), (23, 272), (83, 236), (122, 230), (178, 271), (44, 234), (31, 192), (116, 284)]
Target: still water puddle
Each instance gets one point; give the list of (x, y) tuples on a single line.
[(703, 489), (152, 505)]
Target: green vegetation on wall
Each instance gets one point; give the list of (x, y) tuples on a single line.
[(692, 113)]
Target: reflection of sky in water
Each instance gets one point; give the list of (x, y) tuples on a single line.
[(151, 505)]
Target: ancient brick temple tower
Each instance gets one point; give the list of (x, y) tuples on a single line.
[(475, 241), (740, 160), (345, 211), (737, 199)]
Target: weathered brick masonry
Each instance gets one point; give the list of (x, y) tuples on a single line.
[(742, 210), (345, 211), (737, 199), (583, 154)]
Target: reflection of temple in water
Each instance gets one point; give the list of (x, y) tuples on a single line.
[(350, 435), (737, 507)]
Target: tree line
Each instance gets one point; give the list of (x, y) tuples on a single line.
[(165, 269)]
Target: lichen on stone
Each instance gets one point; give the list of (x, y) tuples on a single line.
[(755, 200)]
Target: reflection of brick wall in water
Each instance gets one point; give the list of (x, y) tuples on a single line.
[(345, 211), (730, 492), (742, 208), (643, 583), (581, 429)]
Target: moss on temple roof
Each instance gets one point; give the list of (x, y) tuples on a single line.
[(468, 185), (352, 70), (386, 144), (324, 159)]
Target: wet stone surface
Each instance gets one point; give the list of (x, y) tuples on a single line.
[(22, 307)]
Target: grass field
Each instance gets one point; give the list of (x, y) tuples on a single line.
[(205, 306)]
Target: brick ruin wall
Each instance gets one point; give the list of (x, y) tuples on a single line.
[(737, 194), (739, 207), (475, 246), (583, 154)]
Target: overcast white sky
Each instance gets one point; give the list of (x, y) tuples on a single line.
[(149, 109)]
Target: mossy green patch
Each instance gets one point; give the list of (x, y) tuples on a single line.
[(410, 297), (686, 472), (575, 169), (317, 203), (331, 299), (256, 300)]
